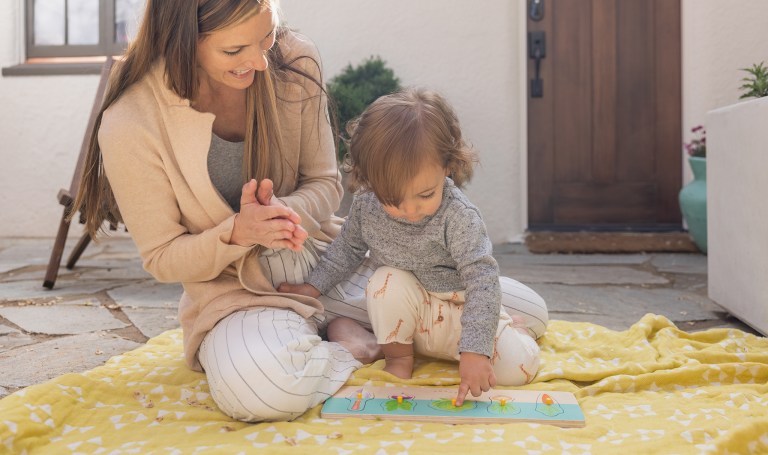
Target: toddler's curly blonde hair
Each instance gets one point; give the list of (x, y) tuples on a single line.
[(397, 135)]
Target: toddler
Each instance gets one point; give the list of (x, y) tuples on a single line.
[(436, 290)]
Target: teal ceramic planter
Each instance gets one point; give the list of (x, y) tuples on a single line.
[(693, 202)]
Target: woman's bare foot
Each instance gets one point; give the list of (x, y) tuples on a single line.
[(399, 359), (356, 339), (402, 367)]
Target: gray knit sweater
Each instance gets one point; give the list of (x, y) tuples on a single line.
[(447, 251)]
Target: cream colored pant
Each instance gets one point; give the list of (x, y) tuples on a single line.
[(402, 311)]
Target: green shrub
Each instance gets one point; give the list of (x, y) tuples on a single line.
[(756, 84), (355, 88)]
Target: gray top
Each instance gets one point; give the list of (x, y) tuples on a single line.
[(225, 167), (447, 251)]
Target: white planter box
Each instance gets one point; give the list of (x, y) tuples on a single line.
[(737, 210)]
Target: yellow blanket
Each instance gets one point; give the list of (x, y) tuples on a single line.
[(650, 389)]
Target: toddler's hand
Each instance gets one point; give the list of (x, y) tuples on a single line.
[(476, 374), (301, 289)]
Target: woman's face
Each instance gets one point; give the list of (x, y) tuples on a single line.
[(229, 57)]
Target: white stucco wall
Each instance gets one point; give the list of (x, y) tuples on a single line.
[(469, 54), (719, 38), (42, 119)]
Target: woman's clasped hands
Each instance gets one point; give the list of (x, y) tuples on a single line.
[(263, 220)]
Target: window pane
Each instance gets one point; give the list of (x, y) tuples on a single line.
[(83, 22), (128, 14), (49, 22)]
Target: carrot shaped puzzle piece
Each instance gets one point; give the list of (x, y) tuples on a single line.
[(547, 405)]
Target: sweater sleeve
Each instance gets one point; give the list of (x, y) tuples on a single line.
[(318, 188), (471, 248), (149, 204), (343, 255)]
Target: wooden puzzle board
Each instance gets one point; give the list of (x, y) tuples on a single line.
[(434, 404)]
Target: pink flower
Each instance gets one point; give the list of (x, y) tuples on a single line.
[(697, 146)]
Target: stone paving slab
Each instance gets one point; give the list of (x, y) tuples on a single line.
[(18, 256), (5, 330), (93, 300), (113, 270), (153, 321), (580, 275), (8, 266), (680, 263), (14, 340), (27, 365), (115, 246), (33, 289), (150, 294), (7, 242), (130, 271), (61, 319), (11, 338), (620, 304)]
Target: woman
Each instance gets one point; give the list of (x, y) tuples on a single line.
[(215, 144)]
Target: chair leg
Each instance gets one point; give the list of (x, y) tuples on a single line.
[(78, 250), (52, 272)]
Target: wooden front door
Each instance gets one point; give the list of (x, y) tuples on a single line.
[(604, 140)]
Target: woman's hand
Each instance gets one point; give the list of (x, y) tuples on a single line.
[(301, 289), (265, 193), (264, 221), (476, 374)]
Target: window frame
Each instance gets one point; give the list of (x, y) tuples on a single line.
[(106, 45)]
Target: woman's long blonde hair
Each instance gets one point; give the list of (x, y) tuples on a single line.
[(170, 31)]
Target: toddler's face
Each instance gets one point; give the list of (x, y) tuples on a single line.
[(423, 195)]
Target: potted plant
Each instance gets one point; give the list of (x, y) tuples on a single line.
[(756, 84), (350, 92), (693, 196)]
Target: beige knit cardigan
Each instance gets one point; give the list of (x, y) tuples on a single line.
[(155, 148)]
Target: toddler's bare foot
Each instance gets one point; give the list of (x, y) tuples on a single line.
[(399, 359), (360, 342), (402, 367)]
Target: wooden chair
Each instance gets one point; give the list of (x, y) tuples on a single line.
[(67, 196)]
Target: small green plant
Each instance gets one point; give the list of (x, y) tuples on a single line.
[(756, 84), (355, 88)]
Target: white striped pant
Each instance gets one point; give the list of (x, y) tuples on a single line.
[(267, 364)]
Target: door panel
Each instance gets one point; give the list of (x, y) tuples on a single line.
[(604, 144)]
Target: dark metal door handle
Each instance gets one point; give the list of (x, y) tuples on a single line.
[(537, 50), (536, 10)]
